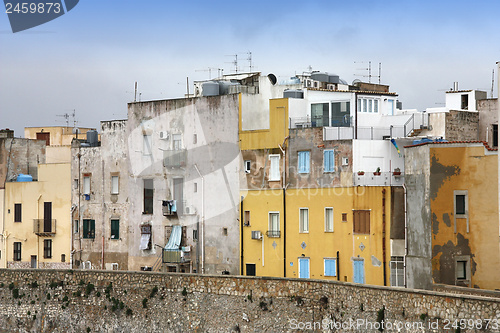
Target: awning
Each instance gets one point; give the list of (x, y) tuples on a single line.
[(174, 242), (144, 241)]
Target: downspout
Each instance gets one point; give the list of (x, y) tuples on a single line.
[(406, 237), (383, 237), (241, 236), (103, 216), (202, 224), (338, 267), (283, 151), (355, 115), (38, 237), (4, 237)]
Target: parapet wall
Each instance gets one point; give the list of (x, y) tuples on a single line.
[(114, 301)]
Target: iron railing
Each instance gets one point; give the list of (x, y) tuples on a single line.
[(44, 227), (379, 179)]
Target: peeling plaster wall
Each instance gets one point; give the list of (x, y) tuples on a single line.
[(418, 258), (488, 115), (207, 128), (20, 156), (462, 125)]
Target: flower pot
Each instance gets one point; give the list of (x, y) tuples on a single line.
[(377, 173), (361, 173)]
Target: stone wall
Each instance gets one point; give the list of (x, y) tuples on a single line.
[(111, 301), (462, 126)]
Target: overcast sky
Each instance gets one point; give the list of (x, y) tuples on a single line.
[(89, 58)]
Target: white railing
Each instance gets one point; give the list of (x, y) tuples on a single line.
[(384, 179)]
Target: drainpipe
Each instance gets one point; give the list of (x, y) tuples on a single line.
[(38, 237), (338, 267), (383, 237), (202, 224), (355, 115), (406, 237), (241, 236), (283, 151), (103, 215)]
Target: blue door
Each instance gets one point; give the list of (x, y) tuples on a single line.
[(359, 270), (304, 268)]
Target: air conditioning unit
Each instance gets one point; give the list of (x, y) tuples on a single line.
[(330, 86), (345, 161), (189, 210), (256, 234), (164, 135), (308, 83)]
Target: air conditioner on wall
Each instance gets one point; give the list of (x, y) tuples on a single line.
[(256, 234), (189, 210), (164, 135)]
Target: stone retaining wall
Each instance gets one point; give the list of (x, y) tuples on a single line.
[(114, 301)]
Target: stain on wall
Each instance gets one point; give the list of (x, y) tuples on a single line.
[(439, 174)]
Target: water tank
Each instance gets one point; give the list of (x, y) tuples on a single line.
[(225, 87), (332, 78), (92, 138), (24, 178), (321, 77), (210, 88), (293, 93)]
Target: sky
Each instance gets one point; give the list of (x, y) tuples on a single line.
[(88, 59)]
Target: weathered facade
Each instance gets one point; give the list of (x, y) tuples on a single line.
[(488, 121), (452, 215)]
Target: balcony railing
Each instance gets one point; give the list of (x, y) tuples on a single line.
[(319, 121), (174, 158), (176, 256), (273, 233), (384, 179), (43, 227)]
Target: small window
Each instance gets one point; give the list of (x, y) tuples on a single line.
[(115, 229), (47, 248), (148, 196), (195, 187), (250, 269), (86, 184), (329, 219), (344, 217), (397, 271), (274, 224), (274, 169), (495, 135), (465, 102), (17, 212), (364, 105), (461, 269), (246, 218), (195, 139), (146, 145), (330, 266), (328, 161), (63, 257), (370, 105), (375, 106), (76, 226), (177, 141), (75, 184), (114, 184), (195, 234), (361, 223), (146, 239), (304, 220), (461, 205), (303, 162), (17, 251), (88, 229), (224, 231), (248, 165)]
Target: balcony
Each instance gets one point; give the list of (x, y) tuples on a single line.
[(176, 256), (174, 158), (384, 179), (273, 233), (43, 227)]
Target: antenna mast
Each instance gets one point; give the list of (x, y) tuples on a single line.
[(492, 82), (369, 69), (234, 62)]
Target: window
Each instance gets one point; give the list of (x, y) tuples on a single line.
[(495, 135), (304, 220), (330, 266), (303, 161), (361, 224), (195, 139), (146, 243), (75, 184), (364, 105), (63, 257), (77, 226), (88, 228), (47, 217), (370, 105), (274, 224), (195, 234), (114, 184), (319, 114), (17, 251), (115, 229), (391, 107), (341, 116), (248, 165), (375, 105), (274, 169), (328, 161), (397, 271), (461, 207), (47, 248), (86, 184), (460, 204), (177, 141), (344, 217), (148, 196), (462, 271), (329, 219), (250, 269), (465, 102), (246, 219), (195, 189), (146, 145), (17, 212), (224, 231)]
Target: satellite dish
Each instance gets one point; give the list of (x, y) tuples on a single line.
[(76, 130), (356, 81)]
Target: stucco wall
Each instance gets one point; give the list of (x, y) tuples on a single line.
[(488, 115), (121, 301), (462, 125), (20, 156)]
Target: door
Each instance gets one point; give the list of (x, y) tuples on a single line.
[(33, 261), (359, 270), (304, 268), (178, 194), (47, 217), (44, 136), (250, 269)]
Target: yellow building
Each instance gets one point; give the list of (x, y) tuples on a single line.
[(37, 226), (461, 214), (56, 135)]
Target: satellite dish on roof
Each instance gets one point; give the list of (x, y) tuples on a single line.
[(356, 81), (76, 130)]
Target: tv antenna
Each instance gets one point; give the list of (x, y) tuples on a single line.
[(249, 58), (66, 117), (220, 71), (492, 82), (369, 70), (234, 62)]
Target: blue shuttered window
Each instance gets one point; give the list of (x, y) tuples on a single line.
[(303, 162), (328, 161), (330, 267)]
